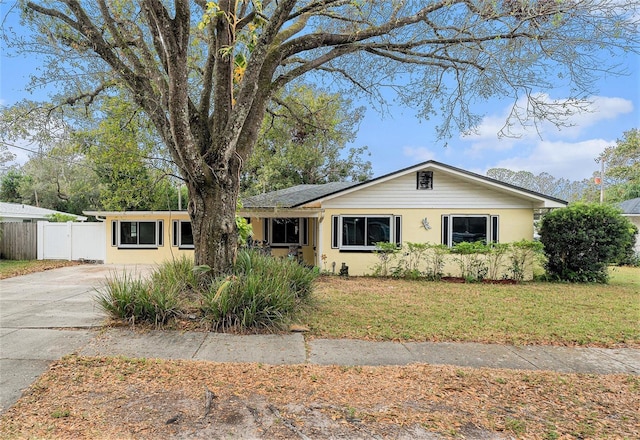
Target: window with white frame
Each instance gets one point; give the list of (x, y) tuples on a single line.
[(286, 231), (182, 234), (457, 228), (362, 232), (136, 234)]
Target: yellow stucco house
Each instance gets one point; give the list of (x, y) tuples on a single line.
[(335, 223)]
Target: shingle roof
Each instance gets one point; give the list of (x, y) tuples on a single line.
[(19, 210), (631, 206), (294, 196)]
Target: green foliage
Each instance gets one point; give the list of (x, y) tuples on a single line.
[(420, 260), (60, 179), (178, 274), (476, 261), (109, 160), (59, 217), (622, 167), (137, 300), (303, 141), (263, 291), (435, 260), (469, 257), (410, 265), (494, 257), (582, 239), (245, 230), (386, 253), (10, 186), (523, 254), (120, 146)]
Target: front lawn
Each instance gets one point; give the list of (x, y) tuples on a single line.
[(528, 313), (14, 268)]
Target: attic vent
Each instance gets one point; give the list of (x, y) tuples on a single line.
[(424, 180)]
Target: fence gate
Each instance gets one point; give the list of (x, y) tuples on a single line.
[(71, 241)]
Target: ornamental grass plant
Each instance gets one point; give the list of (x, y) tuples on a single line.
[(263, 292)]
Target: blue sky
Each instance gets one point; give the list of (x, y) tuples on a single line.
[(400, 140)]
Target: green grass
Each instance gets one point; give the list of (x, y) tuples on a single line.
[(528, 313)]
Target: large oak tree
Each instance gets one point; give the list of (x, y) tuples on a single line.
[(204, 72)]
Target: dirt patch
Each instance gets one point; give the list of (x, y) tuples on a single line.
[(117, 398)]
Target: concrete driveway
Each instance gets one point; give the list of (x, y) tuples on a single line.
[(44, 316)]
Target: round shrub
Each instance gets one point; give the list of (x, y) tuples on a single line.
[(582, 239)]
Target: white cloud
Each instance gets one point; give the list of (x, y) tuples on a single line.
[(598, 109), (419, 154), (573, 161), (595, 110)]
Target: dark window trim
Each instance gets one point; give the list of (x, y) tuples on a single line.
[(176, 239), (395, 234), (116, 232), (493, 227), (303, 225)]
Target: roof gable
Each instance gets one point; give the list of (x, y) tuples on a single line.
[(473, 184), (468, 176)]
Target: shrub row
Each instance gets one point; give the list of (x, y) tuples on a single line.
[(474, 261)]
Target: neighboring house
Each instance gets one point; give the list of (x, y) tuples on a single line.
[(327, 225), (631, 210), (19, 212)]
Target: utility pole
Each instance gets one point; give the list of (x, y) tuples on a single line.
[(602, 181)]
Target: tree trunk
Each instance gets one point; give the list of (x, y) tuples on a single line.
[(212, 209)]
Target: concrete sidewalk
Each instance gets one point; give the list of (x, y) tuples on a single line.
[(294, 349), (47, 315)]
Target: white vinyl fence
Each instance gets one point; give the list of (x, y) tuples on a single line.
[(71, 241)]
